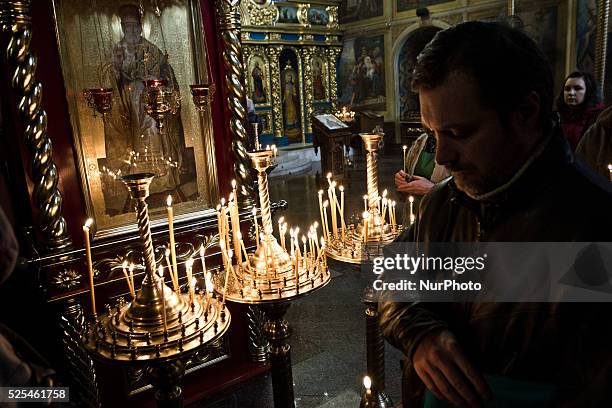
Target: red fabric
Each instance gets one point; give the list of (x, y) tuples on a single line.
[(575, 125)]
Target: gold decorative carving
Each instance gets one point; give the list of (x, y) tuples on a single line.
[(275, 36), (273, 53), (259, 15), (307, 37), (332, 12), (15, 20), (228, 13), (302, 14), (307, 53), (332, 55)]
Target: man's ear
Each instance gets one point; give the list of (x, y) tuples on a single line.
[(527, 116)]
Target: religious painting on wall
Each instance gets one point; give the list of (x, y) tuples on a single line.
[(290, 99), (259, 84), (541, 25), (287, 15), (586, 34), (403, 5), (357, 10), (361, 73), (318, 16), (113, 45), (319, 78), (409, 108)]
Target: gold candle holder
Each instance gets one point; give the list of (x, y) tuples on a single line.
[(364, 240), (158, 324), (202, 95), (270, 274), (100, 100)]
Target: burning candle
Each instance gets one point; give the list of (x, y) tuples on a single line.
[(256, 226), (233, 206), (86, 227), (202, 259), (326, 226), (610, 171), (321, 208), (189, 273), (171, 229), (365, 202), (329, 176), (305, 251), (342, 211), (127, 279), (244, 251), (404, 147), (366, 219), (162, 297), (411, 201), (331, 193), (274, 150), (367, 383)]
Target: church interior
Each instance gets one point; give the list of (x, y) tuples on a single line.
[(189, 182)]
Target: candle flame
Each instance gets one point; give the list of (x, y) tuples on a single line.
[(404, 147), (367, 382), (366, 215), (131, 267), (160, 270), (333, 184), (384, 193), (325, 203), (167, 252), (411, 199), (609, 166), (303, 239), (89, 222), (169, 201), (239, 235), (341, 188), (281, 220), (254, 211), (320, 192), (222, 201), (189, 263), (365, 196), (234, 183), (329, 175), (125, 264)]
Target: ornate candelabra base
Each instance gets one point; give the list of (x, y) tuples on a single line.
[(166, 378), (278, 332), (351, 248)]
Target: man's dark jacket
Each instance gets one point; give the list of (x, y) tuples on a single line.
[(554, 199)]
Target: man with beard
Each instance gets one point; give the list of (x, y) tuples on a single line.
[(485, 92)]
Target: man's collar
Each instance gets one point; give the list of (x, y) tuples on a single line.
[(536, 170)]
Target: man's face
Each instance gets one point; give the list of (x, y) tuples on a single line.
[(472, 144), (132, 30), (574, 91)]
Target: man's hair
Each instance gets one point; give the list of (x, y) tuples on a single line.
[(590, 95), (506, 64)]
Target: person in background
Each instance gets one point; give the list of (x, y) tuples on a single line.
[(422, 172), (595, 147), (577, 106)]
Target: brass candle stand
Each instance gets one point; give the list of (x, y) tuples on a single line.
[(363, 240), (272, 277), (159, 326)]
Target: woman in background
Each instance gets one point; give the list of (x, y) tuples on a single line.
[(577, 106)]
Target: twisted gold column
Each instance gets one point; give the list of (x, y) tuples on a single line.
[(371, 142), (273, 53), (138, 186), (332, 55), (15, 20), (228, 13), (307, 53), (603, 14)]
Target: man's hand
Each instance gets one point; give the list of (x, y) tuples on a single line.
[(442, 366), (419, 186)]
